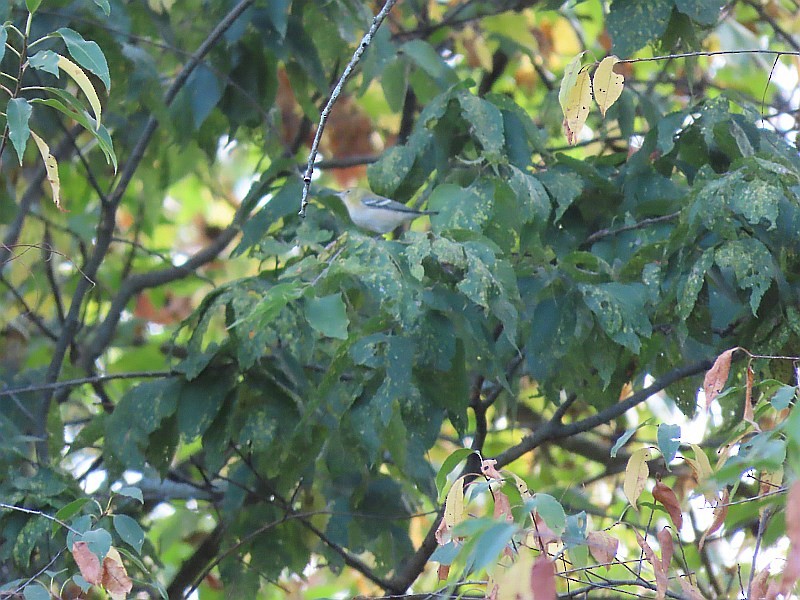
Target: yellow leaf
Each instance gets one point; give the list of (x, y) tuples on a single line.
[(522, 487), (607, 84), (578, 101), (454, 505), (569, 80), (636, 473), (702, 470), (515, 581), (77, 74), (51, 168)]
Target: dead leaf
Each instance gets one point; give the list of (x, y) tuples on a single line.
[(661, 575), (576, 110), (488, 470), (87, 562), (502, 507), (543, 579), (791, 572), (636, 473), (748, 399), (522, 487), (717, 376), (720, 512), (443, 572), (758, 589), (689, 590), (603, 547), (542, 534), (607, 84), (667, 548), (664, 494), (115, 577)]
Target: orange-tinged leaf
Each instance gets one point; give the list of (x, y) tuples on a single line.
[(667, 548), (607, 84), (87, 562), (543, 579), (717, 376), (115, 577), (603, 547), (661, 575), (720, 512), (444, 571), (791, 571), (636, 473), (542, 534), (664, 494)]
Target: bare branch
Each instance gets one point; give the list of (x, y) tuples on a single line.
[(323, 118)]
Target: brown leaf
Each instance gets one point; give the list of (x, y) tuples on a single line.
[(502, 507), (758, 589), (791, 571), (689, 591), (603, 547), (87, 562), (661, 575), (543, 535), (748, 399), (664, 494), (717, 376), (543, 579), (444, 571), (667, 548), (488, 470), (720, 512), (115, 577), (793, 514)]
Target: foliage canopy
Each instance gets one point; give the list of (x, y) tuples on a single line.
[(203, 392)]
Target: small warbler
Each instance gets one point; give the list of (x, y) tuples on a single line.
[(376, 213)]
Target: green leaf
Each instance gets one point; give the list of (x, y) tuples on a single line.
[(129, 531), (620, 310), (633, 24), (130, 491), (532, 197), (46, 60), (278, 13), (564, 186), (104, 5), (459, 208), (783, 397), (87, 54), (622, 440), (18, 114), (752, 264), (65, 513), (486, 125), (705, 12), (669, 440), (690, 286), (550, 510), (36, 591), (3, 40), (426, 58), (32, 5), (450, 463), (99, 542), (328, 315), (489, 545), (74, 110), (200, 401)]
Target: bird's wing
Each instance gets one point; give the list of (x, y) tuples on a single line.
[(386, 203)]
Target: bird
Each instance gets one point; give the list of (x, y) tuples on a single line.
[(376, 213)]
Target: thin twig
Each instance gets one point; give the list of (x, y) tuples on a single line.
[(323, 118), (68, 383), (604, 233)]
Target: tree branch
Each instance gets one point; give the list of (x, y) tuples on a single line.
[(105, 228), (323, 118)]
